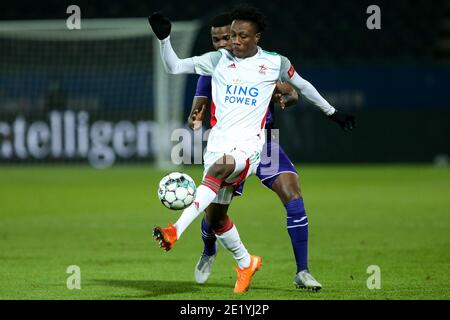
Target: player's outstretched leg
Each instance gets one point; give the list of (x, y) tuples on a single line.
[(205, 194), (204, 265), (166, 236)]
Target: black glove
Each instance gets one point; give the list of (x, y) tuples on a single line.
[(160, 24), (347, 121)]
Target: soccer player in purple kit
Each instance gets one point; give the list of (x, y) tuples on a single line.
[(276, 171)]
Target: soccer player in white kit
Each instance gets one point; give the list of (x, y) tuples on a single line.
[(243, 81)]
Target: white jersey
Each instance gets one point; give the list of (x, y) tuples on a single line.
[(241, 93)]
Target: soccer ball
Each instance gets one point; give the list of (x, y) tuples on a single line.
[(176, 191)]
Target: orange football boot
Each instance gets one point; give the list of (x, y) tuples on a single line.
[(166, 236), (244, 276)]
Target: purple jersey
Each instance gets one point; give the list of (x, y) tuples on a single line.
[(203, 87), (204, 90)]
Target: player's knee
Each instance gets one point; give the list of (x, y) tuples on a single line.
[(287, 188), (219, 171), (219, 224), (222, 168), (216, 223), (291, 195)]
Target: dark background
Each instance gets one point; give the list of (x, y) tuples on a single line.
[(395, 79)]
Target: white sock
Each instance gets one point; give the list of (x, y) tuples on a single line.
[(231, 241), (203, 199)]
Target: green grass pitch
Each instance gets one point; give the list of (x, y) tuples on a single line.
[(395, 217)]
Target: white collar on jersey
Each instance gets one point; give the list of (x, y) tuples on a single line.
[(257, 54)]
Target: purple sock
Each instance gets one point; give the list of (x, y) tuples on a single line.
[(209, 239), (297, 226)]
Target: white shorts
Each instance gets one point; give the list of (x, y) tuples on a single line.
[(246, 164)]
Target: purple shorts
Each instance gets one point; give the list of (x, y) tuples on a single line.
[(274, 161)]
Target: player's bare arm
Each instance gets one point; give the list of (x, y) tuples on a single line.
[(199, 105), (284, 95)]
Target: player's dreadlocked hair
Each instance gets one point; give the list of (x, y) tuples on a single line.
[(249, 13), (221, 20)]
